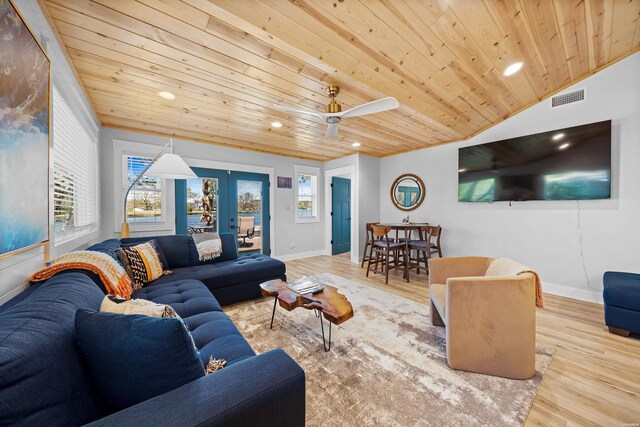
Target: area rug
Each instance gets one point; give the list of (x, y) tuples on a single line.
[(387, 365)]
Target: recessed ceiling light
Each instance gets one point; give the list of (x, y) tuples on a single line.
[(557, 136), (563, 146), (166, 95), (355, 144), (462, 170), (276, 124), (513, 68)]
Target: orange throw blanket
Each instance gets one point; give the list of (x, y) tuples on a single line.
[(508, 267), (115, 279)]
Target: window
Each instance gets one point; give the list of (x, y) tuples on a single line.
[(306, 186), (144, 202), (75, 174)]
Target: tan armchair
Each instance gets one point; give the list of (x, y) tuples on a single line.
[(490, 321)]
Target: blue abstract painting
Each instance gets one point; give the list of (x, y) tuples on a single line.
[(24, 135)]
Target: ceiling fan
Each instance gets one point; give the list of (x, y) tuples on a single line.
[(333, 111)]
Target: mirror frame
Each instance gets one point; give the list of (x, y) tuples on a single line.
[(395, 184)]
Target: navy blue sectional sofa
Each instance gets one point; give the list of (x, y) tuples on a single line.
[(622, 302), (44, 381)]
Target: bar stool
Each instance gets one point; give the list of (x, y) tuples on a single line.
[(421, 247), (383, 247), (367, 242), (434, 245)]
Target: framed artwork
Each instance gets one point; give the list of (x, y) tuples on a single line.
[(24, 135), (285, 182)]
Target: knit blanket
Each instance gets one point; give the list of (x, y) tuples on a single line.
[(209, 245), (113, 277), (508, 267)]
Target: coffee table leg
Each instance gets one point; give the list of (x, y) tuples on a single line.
[(275, 302), (324, 342)]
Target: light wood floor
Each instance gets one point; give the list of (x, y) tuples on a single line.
[(594, 378)]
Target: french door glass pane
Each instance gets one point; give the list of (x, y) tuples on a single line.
[(202, 204), (249, 215)]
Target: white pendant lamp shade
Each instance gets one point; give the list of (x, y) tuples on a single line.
[(170, 166)]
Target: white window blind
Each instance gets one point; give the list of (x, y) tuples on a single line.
[(75, 174)]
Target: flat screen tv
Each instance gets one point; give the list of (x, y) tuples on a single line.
[(565, 164)]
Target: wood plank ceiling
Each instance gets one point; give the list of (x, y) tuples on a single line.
[(229, 61)]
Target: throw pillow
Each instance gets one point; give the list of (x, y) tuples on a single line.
[(163, 257), (142, 263), (158, 355), (114, 304)]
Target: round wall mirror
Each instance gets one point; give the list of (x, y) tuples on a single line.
[(407, 192)]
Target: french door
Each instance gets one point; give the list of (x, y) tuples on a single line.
[(226, 201)]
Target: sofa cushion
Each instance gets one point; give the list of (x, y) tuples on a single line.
[(247, 268), (187, 297), (43, 380), (179, 250), (216, 336), (622, 290), (135, 357), (213, 332)]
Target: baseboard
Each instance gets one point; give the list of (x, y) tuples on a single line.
[(299, 255), (575, 293)]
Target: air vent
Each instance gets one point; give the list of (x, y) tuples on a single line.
[(568, 98)]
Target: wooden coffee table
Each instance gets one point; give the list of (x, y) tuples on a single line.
[(328, 303)]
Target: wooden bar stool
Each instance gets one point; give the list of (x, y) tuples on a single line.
[(368, 242), (435, 233), (421, 248), (383, 247)]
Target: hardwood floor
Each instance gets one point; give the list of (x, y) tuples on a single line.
[(594, 378)]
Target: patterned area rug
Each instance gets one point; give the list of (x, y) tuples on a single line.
[(387, 365)]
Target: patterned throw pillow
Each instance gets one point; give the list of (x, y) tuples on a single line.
[(114, 304), (142, 263)]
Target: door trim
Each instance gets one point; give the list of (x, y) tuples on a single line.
[(351, 172), (239, 167)]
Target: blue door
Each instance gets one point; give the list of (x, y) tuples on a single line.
[(249, 211), (226, 201), (340, 215)]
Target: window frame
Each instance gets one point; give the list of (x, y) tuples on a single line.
[(315, 197), (78, 234), (121, 150), (160, 190)]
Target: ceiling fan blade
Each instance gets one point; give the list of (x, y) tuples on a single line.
[(372, 107), (332, 130), (295, 110)]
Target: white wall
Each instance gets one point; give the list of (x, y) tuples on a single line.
[(365, 198), (15, 269), (291, 239), (369, 196), (570, 243)]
